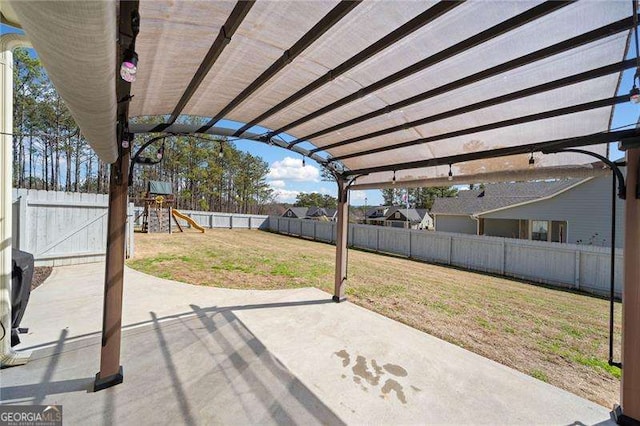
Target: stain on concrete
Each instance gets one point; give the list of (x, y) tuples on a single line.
[(361, 369), (392, 385), (363, 375), (376, 368), (346, 358), (395, 370)]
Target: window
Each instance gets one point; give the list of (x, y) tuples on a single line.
[(289, 213), (539, 230), (397, 215)]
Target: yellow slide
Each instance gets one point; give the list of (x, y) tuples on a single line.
[(190, 221)]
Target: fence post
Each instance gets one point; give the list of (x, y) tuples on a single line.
[(378, 240), (130, 230), (450, 250), (314, 230), (22, 223), (503, 261), (230, 221), (249, 222), (576, 278), (409, 231), (211, 221)]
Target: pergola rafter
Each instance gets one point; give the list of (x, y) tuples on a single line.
[(627, 136), (223, 39), (323, 26), (491, 126), (390, 39), (476, 40), (519, 94)]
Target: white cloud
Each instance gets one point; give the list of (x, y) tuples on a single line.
[(292, 169), (326, 191), (282, 195), (277, 184), (285, 195), (357, 196)]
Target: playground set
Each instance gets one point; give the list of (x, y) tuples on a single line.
[(158, 210)]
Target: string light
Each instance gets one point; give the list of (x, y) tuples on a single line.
[(221, 152), (394, 178), (129, 67), (304, 163), (532, 161), (450, 178)]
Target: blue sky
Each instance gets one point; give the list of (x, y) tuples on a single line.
[(288, 177)]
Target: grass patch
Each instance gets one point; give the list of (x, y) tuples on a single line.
[(483, 322), (540, 375), (556, 336), (597, 363), (283, 269)]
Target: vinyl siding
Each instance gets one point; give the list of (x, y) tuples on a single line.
[(586, 208), (459, 224)]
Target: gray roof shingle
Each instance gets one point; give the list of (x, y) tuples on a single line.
[(498, 195), (412, 214), (300, 212)]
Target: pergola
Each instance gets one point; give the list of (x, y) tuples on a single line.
[(380, 93)]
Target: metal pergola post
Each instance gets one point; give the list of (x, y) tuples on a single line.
[(342, 227), (630, 387)]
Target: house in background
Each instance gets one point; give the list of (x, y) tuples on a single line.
[(322, 213), (376, 215), (402, 217), (398, 217), (296, 212), (576, 211), (314, 213)]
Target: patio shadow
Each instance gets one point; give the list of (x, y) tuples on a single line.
[(270, 382)]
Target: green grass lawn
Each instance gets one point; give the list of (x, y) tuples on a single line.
[(556, 336)]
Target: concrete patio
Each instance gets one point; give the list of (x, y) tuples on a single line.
[(199, 355)]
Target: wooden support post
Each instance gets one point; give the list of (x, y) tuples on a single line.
[(110, 369), (342, 229), (630, 387)]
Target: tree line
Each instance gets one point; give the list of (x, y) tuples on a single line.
[(315, 199), (418, 198), (49, 151), (208, 174)]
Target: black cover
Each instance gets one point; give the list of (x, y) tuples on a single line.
[(21, 277)]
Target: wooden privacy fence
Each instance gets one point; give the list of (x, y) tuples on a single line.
[(217, 220), (63, 228), (580, 267)]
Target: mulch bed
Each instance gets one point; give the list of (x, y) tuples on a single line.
[(40, 274)]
